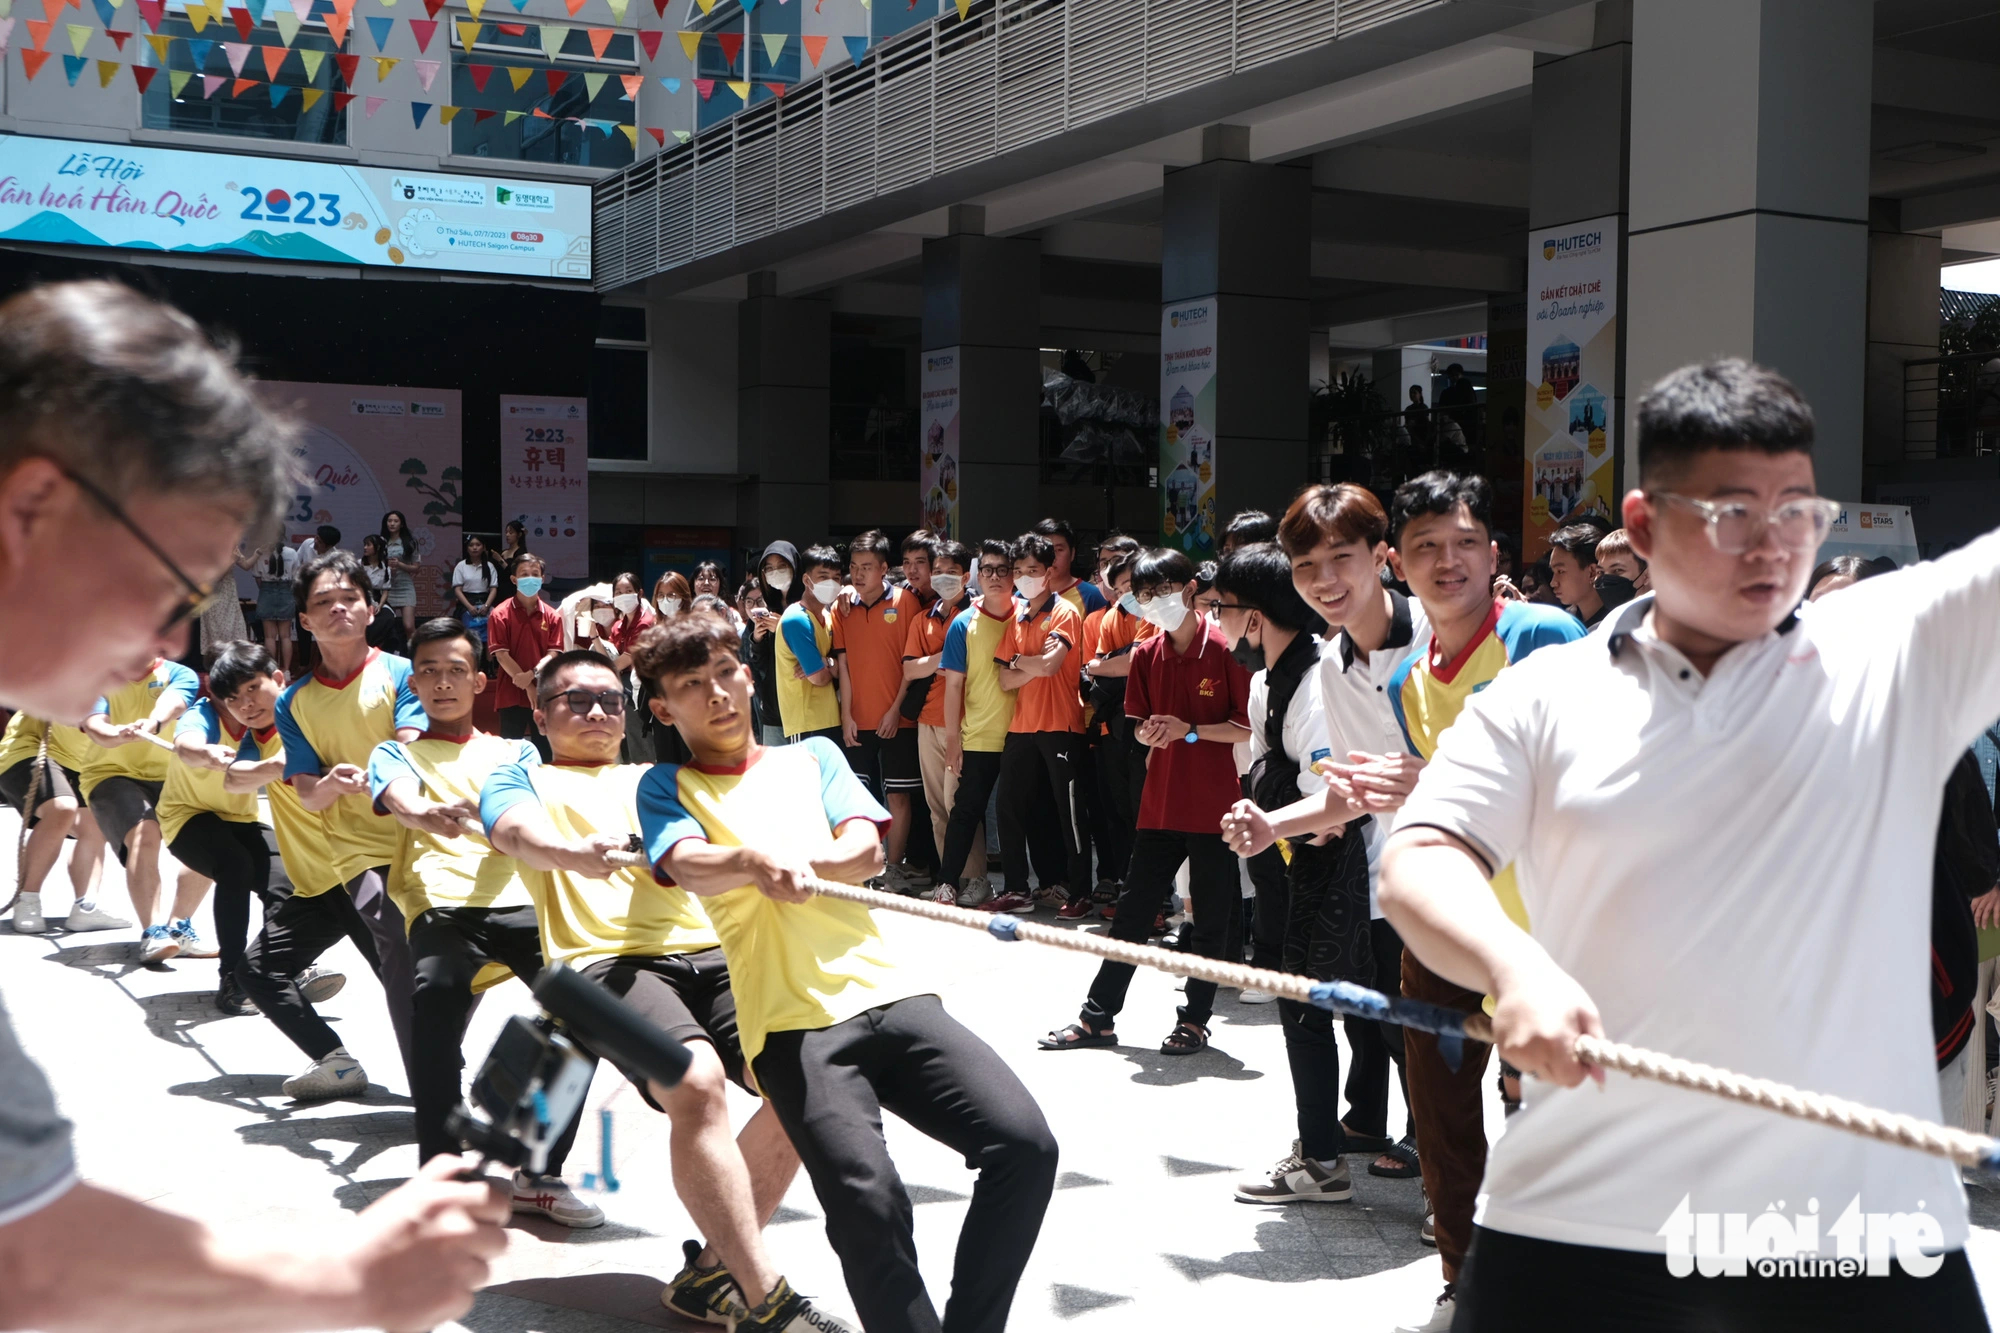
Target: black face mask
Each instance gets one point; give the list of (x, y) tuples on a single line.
[(1613, 590), (1249, 658)]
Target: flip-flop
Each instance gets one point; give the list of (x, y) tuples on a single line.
[(1406, 1155), (1074, 1036), (1366, 1143)]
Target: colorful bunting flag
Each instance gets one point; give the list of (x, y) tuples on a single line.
[(198, 49), (379, 26), (210, 82), (468, 32), (418, 110), (475, 6), (73, 66), (423, 30), (6, 32), (432, 7), (649, 42), (776, 89), (519, 76), (198, 17), (660, 8), (426, 71), (815, 48), (742, 91), (51, 8), (573, 6), (104, 11), (309, 98), (659, 135), (519, 5), (279, 91), (553, 37), (683, 135), (481, 116), (509, 117), (706, 87), (340, 101), (237, 53), (557, 78), (633, 83), (241, 18), (480, 74), (373, 105), (79, 36), (177, 79), (38, 32), (618, 9), (447, 113), (600, 40), (302, 9), (593, 84), (158, 41), (32, 62), (153, 11), (749, 6), (963, 6), (671, 85), (348, 65), (512, 29), (312, 61), (107, 70), (383, 64), (857, 48), (631, 133), (690, 42), (288, 26), (774, 46), (143, 76), (336, 24), (274, 60), (118, 38), (241, 86), (731, 43), (542, 115), (707, 6)]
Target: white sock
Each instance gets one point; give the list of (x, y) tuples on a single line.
[(84, 905)]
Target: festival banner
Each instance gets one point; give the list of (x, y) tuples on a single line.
[(545, 478), (1187, 427), (365, 449), (1571, 435), (1871, 532), (64, 192), (937, 488)]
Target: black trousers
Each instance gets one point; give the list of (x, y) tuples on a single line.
[(1512, 1282), (518, 724), (242, 859), (1270, 907), (370, 893), (1028, 757), (292, 940), (830, 1087), (1215, 931), (978, 773), (1378, 1046), (1116, 759), (1327, 885), (448, 946)]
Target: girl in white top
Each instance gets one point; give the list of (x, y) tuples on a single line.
[(475, 581)]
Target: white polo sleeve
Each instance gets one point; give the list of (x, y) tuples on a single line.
[(1305, 733), (1953, 657), (1480, 784)]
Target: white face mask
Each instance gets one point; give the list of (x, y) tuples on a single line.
[(669, 606), (1166, 610), (826, 590), (626, 602), (1031, 588), (604, 615), (947, 586), (779, 579)]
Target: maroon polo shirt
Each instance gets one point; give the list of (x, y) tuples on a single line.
[(528, 636), (1189, 788)]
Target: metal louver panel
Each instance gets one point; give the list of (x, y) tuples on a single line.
[(850, 135), (966, 106), (756, 201), (801, 142), (714, 190), (1106, 74), (1188, 42), (904, 111), (1030, 60), (676, 192), (1269, 30)]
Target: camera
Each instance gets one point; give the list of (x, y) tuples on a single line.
[(535, 1078)]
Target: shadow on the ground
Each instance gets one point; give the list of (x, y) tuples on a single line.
[(263, 1095), (174, 1016), (1157, 1069), (1322, 1244), (113, 960), (371, 1134), (631, 1297), (1067, 1302)]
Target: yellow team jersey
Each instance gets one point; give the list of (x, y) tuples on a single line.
[(135, 702), (327, 722), (432, 871), (969, 648), (68, 747), (302, 843), (193, 791), (805, 643), (792, 966), (586, 919)]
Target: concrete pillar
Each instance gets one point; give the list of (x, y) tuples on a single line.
[(1238, 241), (983, 297), (1902, 326), (784, 356), (1749, 216)]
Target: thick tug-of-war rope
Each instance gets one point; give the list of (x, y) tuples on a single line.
[(1451, 1027)]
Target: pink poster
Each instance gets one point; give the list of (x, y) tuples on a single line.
[(367, 449), (545, 478)]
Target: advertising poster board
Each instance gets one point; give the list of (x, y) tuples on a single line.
[(937, 472), (1187, 427), (545, 478), (1571, 427), (366, 449), (1873, 531)]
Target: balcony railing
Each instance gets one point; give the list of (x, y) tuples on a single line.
[(1951, 406)]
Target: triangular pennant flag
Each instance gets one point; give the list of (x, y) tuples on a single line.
[(38, 32), (573, 6), (241, 18), (198, 49), (288, 26), (210, 82), (274, 59), (671, 85), (509, 117), (32, 62), (344, 8), (302, 9), (51, 9), (309, 98), (79, 36), (706, 87), (690, 42), (418, 110), (774, 46), (153, 11), (630, 132), (312, 60), (107, 70), (749, 6), (553, 37), (593, 84), (6, 32), (73, 66), (742, 91), (159, 42), (513, 29), (600, 39), (649, 42), (447, 113), (815, 47), (543, 115), (659, 135), (475, 7), (241, 86), (660, 8), (480, 74), (198, 17), (426, 71), (519, 5), (707, 6), (776, 89), (383, 64), (340, 101), (633, 83), (177, 79), (468, 32), (618, 9), (423, 30), (279, 91), (237, 52), (519, 76), (432, 7), (256, 8), (336, 24), (105, 12), (857, 48), (379, 26), (683, 135), (373, 104), (143, 75), (731, 43), (557, 78), (348, 65), (480, 115)]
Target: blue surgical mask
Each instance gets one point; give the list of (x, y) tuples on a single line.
[(530, 586), (1128, 604)]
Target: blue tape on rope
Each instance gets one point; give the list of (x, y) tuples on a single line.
[(1344, 997), (1004, 927), (1991, 1162)]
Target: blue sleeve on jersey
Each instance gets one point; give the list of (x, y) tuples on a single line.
[(200, 718), (506, 787), (841, 794), (797, 628), (300, 757), (183, 685), (527, 756), (409, 712), (664, 823), (1093, 596), (388, 762), (953, 658), (101, 706), (1398, 680), (1526, 626)]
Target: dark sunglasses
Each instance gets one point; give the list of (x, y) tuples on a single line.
[(580, 702)]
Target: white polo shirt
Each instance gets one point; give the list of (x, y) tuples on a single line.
[(1354, 696), (1738, 871)]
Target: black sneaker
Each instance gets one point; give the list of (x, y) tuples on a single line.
[(230, 999), (709, 1294), (785, 1311)]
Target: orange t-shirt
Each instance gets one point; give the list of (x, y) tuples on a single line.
[(1047, 703), (926, 639), (869, 641), (1118, 630)]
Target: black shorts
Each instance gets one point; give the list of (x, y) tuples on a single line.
[(894, 761), (55, 783), (685, 995), (122, 804)]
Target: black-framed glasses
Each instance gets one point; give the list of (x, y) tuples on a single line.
[(1800, 525), (580, 702), (196, 599), (996, 571)]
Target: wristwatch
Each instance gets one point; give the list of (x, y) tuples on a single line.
[(1192, 736)]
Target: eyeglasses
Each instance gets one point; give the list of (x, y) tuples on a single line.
[(996, 571), (580, 702), (1800, 524), (1145, 599), (1230, 606), (196, 599)]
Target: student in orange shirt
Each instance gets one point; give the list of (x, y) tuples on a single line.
[(1039, 663), (923, 654), (1119, 759), (870, 625)]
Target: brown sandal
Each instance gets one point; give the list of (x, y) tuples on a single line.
[(1186, 1039)]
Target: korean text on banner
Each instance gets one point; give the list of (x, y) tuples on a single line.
[(938, 476), (1187, 427), (366, 449), (545, 478), (1571, 437)]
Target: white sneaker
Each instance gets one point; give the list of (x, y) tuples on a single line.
[(190, 940), (1300, 1180), (156, 945), (1441, 1314), (28, 914), (94, 917), (317, 985), (1255, 996), (552, 1197), (974, 892), (338, 1075)]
